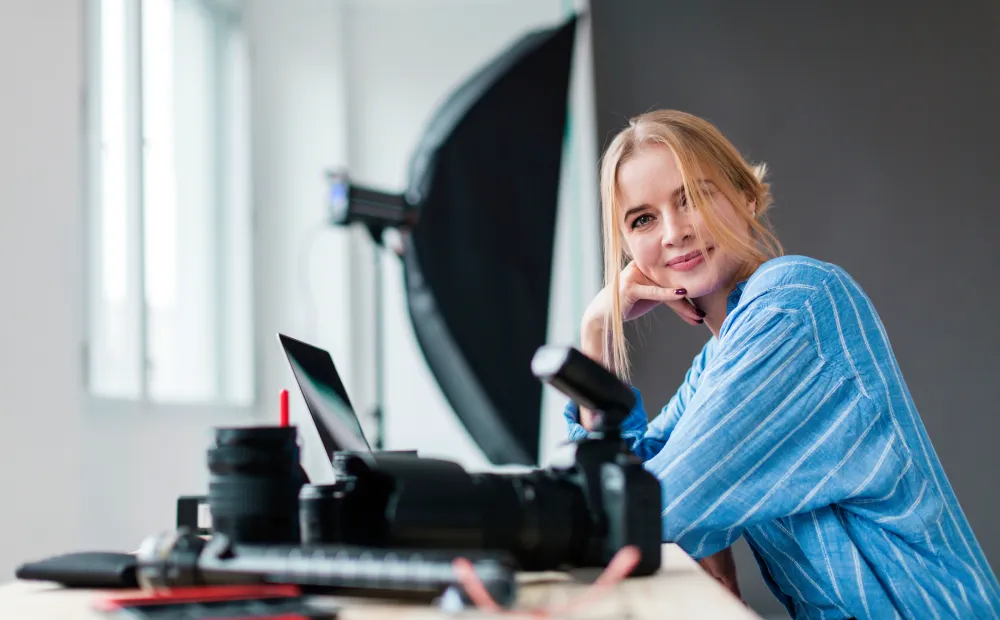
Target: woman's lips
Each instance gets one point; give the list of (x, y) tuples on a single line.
[(688, 261)]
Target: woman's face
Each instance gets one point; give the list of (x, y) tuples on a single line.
[(661, 227)]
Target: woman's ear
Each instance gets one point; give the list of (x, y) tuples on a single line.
[(753, 208)]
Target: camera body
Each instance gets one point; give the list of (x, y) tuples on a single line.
[(577, 515), (548, 519)]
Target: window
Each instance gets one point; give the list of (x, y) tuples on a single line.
[(169, 261)]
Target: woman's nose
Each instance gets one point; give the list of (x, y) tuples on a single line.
[(676, 230)]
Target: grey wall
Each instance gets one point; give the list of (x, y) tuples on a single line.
[(880, 125)]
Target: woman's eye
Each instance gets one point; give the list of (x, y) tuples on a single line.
[(642, 220)]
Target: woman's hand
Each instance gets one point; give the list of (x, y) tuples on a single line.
[(638, 296), (723, 568)]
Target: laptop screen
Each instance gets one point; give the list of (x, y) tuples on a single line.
[(325, 396)]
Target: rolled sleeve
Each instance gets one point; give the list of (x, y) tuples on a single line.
[(645, 438), (633, 426)]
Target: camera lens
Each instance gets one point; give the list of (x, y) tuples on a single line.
[(254, 484), (319, 511), (541, 518)]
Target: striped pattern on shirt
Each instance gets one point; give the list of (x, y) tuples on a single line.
[(795, 430)]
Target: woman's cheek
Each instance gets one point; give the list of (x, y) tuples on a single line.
[(651, 265), (646, 254)]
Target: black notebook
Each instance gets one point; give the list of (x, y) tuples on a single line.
[(88, 569)]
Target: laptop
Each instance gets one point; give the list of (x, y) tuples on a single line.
[(332, 416), (326, 398)]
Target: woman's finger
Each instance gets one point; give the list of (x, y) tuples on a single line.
[(638, 287), (671, 297), (655, 293), (686, 311)]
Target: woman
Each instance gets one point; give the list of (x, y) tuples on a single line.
[(793, 427)]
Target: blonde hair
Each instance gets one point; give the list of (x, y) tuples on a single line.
[(701, 151)]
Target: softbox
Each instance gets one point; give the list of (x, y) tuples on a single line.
[(485, 179)]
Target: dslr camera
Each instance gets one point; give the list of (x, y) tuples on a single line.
[(578, 515)]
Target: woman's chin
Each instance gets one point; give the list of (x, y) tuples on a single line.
[(698, 287), (698, 282)]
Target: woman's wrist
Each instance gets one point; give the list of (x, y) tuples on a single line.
[(593, 340), (593, 343)]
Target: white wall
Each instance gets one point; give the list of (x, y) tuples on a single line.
[(40, 252), (577, 261), (334, 83), (305, 285)]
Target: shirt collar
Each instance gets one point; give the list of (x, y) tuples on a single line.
[(734, 298)]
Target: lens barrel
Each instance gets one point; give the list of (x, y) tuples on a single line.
[(254, 484), (540, 518), (320, 506)]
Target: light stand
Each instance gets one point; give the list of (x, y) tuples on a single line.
[(350, 203), (377, 408)]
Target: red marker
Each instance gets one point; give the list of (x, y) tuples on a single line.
[(284, 408)]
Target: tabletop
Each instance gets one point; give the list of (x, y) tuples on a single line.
[(681, 589)]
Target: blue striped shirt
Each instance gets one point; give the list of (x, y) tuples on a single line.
[(795, 429)]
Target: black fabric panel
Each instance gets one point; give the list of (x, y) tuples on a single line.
[(478, 264)]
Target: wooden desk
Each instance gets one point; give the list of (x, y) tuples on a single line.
[(680, 590)]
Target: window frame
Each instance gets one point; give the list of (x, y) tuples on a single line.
[(91, 156)]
